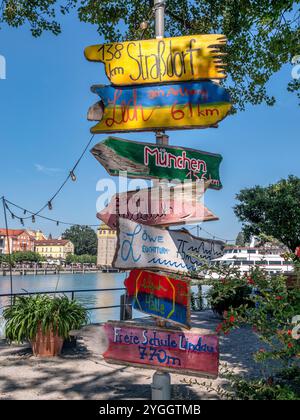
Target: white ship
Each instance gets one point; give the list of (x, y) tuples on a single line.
[(245, 258)]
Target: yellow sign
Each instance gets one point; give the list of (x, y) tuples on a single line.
[(184, 58), (161, 106)]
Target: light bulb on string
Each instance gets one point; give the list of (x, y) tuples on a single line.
[(144, 25), (73, 176), (25, 212), (57, 223), (50, 207), (22, 222), (12, 215), (33, 218)]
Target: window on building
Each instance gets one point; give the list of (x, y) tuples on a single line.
[(274, 262), (251, 251)]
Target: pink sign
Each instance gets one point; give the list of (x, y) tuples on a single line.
[(192, 352), (164, 207)]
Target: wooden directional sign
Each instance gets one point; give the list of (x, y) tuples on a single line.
[(182, 58), (158, 206), (176, 106), (191, 352), (160, 296), (148, 161), (147, 247)]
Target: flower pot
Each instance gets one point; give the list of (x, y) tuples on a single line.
[(46, 345)]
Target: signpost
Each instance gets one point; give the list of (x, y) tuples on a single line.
[(160, 84), (148, 247), (149, 161), (158, 206), (181, 58), (193, 353), (160, 296), (171, 106)]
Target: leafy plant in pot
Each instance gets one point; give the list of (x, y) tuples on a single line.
[(44, 321)]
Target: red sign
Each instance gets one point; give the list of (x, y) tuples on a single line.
[(160, 296), (160, 206), (193, 353)]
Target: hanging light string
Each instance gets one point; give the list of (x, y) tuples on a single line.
[(33, 215), (60, 222), (212, 235), (49, 203)]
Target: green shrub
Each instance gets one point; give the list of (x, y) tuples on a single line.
[(27, 313), (232, 299), (262, 390)]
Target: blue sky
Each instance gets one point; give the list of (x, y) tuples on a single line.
[(43, 130)]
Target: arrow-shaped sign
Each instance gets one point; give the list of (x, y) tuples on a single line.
[(148, 247), (148, 161), (170, 106), (159, 206), (183, 58)]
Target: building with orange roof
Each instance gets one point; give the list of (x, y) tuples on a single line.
[(17, 240), (54, 249)]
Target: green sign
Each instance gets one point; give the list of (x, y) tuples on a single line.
[(146, 160)]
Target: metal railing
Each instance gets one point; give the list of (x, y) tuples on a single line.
[(125, 306)]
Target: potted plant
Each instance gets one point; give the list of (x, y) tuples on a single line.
[(44, 321)]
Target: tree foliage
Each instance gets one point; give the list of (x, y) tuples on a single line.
[(240, 239), (81, 259), (263, 35), (272, 210), (84, 239), (26, 256)]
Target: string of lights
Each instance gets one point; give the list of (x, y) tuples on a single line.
[(60, 222), (33, 216), (212, 235), (49, 204)]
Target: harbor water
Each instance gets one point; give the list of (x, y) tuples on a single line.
[(61, 282)]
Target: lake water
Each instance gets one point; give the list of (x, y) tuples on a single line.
[(39, 283)]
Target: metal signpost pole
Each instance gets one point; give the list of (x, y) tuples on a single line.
[(161, 381), (159, 5), (191, 73)]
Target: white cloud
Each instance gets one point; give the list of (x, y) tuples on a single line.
[(45, 170)]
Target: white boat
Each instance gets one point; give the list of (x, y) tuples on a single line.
[(245, 258)]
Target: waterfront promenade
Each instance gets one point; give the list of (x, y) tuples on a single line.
[(81, 373), (25, 271)]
